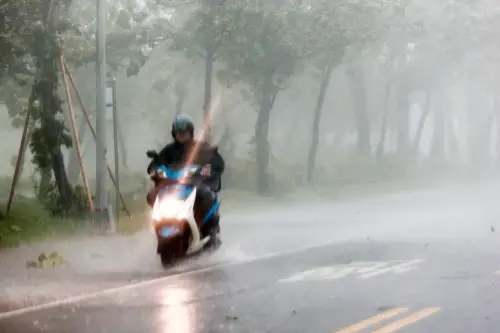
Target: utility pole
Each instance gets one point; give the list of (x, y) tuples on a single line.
[(101, 195)]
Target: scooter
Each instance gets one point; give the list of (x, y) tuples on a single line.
[(182, 216)]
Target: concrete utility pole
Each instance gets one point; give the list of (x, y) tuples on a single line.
[(101, 197), (111, 104)]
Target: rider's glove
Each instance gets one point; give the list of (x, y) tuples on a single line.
[(206, 170)]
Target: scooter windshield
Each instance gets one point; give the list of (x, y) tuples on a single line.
[(177, 173), (177, 191)]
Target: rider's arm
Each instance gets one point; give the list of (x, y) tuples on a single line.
[(164, 157), (151, 165)]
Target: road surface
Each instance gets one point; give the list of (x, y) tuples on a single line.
[(418, 262)]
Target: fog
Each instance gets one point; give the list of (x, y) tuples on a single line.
[(306, 99), (336, 94)]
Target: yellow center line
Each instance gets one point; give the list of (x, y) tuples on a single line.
[(407, 320), (372, 320)]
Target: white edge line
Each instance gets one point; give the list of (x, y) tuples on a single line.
[(105, 292)]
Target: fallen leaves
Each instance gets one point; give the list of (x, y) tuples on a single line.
[(52, 261)]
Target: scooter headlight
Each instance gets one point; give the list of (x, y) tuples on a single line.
[(167, 208)]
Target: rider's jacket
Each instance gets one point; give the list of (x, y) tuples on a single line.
[(193, 153)]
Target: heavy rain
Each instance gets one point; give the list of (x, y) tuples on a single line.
[(360, 188)]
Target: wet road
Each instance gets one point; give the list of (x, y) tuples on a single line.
[(419, 262)]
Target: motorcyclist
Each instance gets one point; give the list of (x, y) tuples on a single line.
[(182, 149)]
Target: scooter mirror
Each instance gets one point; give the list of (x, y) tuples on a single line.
[(151, 154)]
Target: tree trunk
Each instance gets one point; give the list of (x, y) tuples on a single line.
[(63, 185), (403, 120), (385, 118), (56, 159), (73, 164), (421, 123), (325, 82), (268, 95), (52, 132), (45, 183), (438, 138), (453, 147), (360, 111)]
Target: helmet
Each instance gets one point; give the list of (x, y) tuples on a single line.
[(182, 123)]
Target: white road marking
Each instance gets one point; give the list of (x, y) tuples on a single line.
[(372, 267), (111, 291), (362, 270), (397, 269)]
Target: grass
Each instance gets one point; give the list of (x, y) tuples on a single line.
[(29, 222), (138, 208)]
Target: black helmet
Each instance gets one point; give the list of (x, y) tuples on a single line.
[(182, 123)]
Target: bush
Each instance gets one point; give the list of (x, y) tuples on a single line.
[(351, 173), (28, 220), (79, 208)]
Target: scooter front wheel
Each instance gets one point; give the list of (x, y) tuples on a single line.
[(167, 259), (214, 241)]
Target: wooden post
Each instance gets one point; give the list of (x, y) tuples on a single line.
[(76, 136), (87, 117), (20, 154)]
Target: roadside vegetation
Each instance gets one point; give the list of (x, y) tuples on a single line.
[(331, 98)]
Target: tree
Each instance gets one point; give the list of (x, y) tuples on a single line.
[(335, 27), (41, 43), (202, 36), (17, 18), (444, 40), (265, 48)]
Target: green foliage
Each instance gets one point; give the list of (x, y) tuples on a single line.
[(53, 203), (46, 110), (133, 30), (263, 41), (256, 42), (41, 44), (29, 221), (335, 26)]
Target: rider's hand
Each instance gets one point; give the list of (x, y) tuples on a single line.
[(206, 170)]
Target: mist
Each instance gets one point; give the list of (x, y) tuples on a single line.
[(362, 147), (409, 91)]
